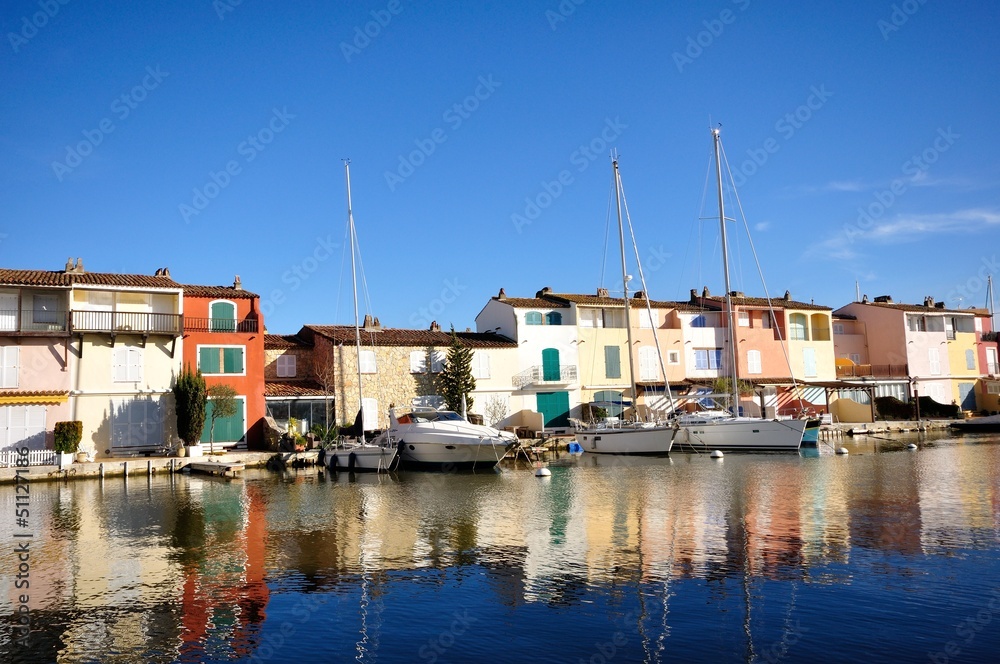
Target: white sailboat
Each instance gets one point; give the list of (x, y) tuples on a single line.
[(628, 437), (357, 454), (725, 430)]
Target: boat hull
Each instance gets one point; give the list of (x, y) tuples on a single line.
[(361, 459), (972, 426), (627, 440), (441, 453), (741, 435)]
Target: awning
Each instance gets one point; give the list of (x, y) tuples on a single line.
[(36, 397)]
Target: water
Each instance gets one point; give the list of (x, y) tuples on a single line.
[(886, 555)]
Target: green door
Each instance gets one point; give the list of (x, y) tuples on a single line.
[(227, 430), (554, 407), (550, 364)]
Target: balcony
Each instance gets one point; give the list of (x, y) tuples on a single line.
[(220, 325), (989, 336), (538, 375), (874, 371), (28, 322), (115, 322)]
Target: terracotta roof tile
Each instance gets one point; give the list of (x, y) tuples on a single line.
[(532, 303), (65, 279), (221, 292), (762, 302), (388, 336), (899, 306), (301, 388), (276, 341)]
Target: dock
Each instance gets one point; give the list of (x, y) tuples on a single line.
[(223, 469)]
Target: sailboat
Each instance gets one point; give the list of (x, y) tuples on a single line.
[(725, 429), (355, 454), (629, 437)]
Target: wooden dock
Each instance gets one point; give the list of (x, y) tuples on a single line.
[(217, 468)]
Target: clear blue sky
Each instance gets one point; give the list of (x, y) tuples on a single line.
[(834, 100)]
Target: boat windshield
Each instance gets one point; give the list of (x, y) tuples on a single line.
[(432, 416)]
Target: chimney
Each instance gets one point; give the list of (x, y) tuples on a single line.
[(940, 305), (864, 299), (79, 266), (885, 299), (694, 295), (237, 284), (542, 293), (74, 269), (435, 327), (69, 264), (639, 295), (737, 293), (166, 272), (377, 324), (602, 292), (502, 296), (705, 293), (369, 323), (788, 296)]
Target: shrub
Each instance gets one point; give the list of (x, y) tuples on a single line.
[(68, 436)]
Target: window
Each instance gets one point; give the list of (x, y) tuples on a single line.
[(45, 309), (648, 364), (587, 317), (991, 361), (612, 362), (137, 423), (743, 318), (949, 327), (698, 321), (838, 328), (366, 361), (418, 361), (223, 317), (970, 360), (22, 426), (797, 327), (286, 366), (613, 318), (934, 359), (809, 362), (10, 362), (645, 319), (553, 318), (428, 401), (673, 357), (707, 358), (437, 361), (533, 318), (215, 360), (480, 364), (916, 323), (126, 364), (765, 320), (856, 358), (992, 388), (753, 361), (8, 312)]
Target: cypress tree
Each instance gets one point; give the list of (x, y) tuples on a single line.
[(190, 397), (456, 380)]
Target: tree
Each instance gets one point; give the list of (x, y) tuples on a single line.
[(324, 368), (223, 399), (190, 396), (455, 380)]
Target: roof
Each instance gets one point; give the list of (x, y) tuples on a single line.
[(924, 308), (220, 292), (33, 396), (549, 300), (276, 341), (532, 303), (293, 389), (388, 336), (63, 279), (763, 302)]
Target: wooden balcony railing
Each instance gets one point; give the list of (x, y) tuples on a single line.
[(34, 322), (248, 325), (124, 321), (874, 371)]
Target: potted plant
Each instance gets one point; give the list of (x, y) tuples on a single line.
[(67, 441)]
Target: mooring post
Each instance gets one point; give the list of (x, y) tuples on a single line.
[(149, 467), (100, 470)]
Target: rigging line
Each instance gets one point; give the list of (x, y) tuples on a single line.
[(760, 273), (649, 310), (607, 234)]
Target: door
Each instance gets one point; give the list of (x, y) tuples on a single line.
[(809, 362), (550, 364), (967, 396), (611, 401), (554, 407), (8, 312), (991, 360), (227, 429)]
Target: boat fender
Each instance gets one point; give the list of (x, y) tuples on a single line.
[(321, 457), (352, 459)]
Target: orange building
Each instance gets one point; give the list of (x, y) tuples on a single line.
[(224, 338)]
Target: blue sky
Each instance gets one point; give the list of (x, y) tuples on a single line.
[(208, 137)]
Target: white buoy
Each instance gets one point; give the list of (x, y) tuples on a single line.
[(911, 446), (542, 472), (716, 454), (842, 450)]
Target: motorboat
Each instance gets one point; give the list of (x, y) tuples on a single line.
[(429, 439)]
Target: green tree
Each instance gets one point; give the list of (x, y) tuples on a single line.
[(190, 396), (456, 380), (223, 398)]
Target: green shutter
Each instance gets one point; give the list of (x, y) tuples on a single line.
[(612, 362), (228, 430), (208, 360), (232, 360), (223, 317), (550, 364)]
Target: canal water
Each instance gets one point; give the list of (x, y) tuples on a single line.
[(883, 555)]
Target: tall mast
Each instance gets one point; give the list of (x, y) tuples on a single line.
[(730, 314), (354, 283), (628, 324), (989, 289)]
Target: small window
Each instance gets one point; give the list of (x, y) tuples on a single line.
[(612, 362), (286, 366), (765, 320), (743, 318), (438, 358), (9, 365), (553, 318), (480, 364), (645, 319), (673, 357), (366, 361), (856, 358), (992, 388), (533, 318), (126, 364), (698, 321), (838, 328), (221, 359), (418, 361), (753, 362), (970, 359)]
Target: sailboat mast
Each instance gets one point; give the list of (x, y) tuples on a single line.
[(354, 283), (628, 325), (989, 289), (730, 314)]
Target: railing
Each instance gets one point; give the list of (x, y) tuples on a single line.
[(873, 370), (537, 374), (31, 321), (219, 325), (992, 368), (124, 321), (989, 336), (8, 458)]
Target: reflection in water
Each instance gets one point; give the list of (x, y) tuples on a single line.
[(642, 556)]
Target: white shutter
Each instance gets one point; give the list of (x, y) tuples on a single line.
[(645, 320), (135, 364), (9, 364), (119, 365), (647, 364), (418, 361), (369, 413), (809, 362), (481, 364), (367, 361), (753, 361), (934, 360), (437, 361)]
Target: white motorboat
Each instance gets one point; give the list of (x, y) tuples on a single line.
[(441, 440)]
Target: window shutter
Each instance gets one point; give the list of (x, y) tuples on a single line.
[(612, 362), (208, 359), (232, 359), (753, 361), (480, 364), (9, 363), (135, 364), (437, 361), (970, 359), (119, 366), (418, 361), (647, 364)]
